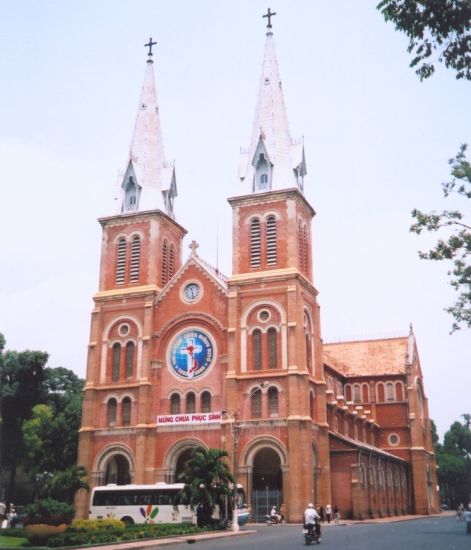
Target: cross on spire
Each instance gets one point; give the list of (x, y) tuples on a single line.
[(149, 45), (193, 246), (269, 15)]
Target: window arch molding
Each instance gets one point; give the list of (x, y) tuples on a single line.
[(115, 320), (107, 344)]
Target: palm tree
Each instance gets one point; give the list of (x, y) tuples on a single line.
[(207, 480)]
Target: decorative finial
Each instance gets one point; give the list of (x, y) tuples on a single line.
[(193, 246), (149, 45), (411, 331), (269, 15)]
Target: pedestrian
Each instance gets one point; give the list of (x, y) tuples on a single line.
[(328, 513), (2, 510), (322, 514), (336, 512)]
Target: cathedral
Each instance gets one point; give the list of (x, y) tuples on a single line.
[(181, 355)]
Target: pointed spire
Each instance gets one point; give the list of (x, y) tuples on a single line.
[(149, 181), (272, 161)]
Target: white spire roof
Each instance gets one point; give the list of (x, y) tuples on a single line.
[(272, 161), (149, 181)]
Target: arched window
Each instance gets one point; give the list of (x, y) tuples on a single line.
[(126, 411), (205, 402), (271, 241), (130, 195), (356, 393), (164, 263), (399, 391), (171, 262), (380, 390), (115, 368), (255, 257), (308, 352), (256, 404), (111, 412), (312, 410), (366, 393), (121, 261), (273, 401), (135, 258), (348, 392), (272, 348), (261, 176), (389, 391), (190, 403), (174, 403), (129, 359), (336, 423), (257, 349)]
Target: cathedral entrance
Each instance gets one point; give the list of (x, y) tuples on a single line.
[(267, 483), (117, 470), (184, 456)]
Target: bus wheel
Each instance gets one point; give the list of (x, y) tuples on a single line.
[(127, 520)]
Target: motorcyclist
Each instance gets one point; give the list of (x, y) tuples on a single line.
[(311, 518), (275, 517)]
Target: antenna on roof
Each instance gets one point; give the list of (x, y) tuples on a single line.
[(217, 246)]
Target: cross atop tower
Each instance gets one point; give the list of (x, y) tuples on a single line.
[(149, 45), (269, 15), (193, 246)]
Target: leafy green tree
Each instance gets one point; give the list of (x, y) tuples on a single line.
[(21, 378), (65, 483), (456, 244), (438, 31), (207, 480)]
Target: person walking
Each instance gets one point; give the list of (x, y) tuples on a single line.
[(322, 514), (336, 512), (328, 513)]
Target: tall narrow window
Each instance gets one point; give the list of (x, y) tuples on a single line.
[(311, 405), (389, 391), (366, 393), (348, 392), (111, 412), (271, 241), (256, 404), (205, 402), (121, 261), (190, 403), (171, 262), (380, 390), (164, 263), (129, 359), (126, 411), (257, 349), (273, 401), (356, 393), (255, 251), (272, 348), (116, 362), (399, 391), (308, 352), (135, 258), (175, 403)]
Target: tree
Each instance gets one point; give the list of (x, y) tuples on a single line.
[(438, 31), (456, 245), (21, 377), (207, 480), (454, 463)]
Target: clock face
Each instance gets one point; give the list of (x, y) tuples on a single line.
[(191, 292)]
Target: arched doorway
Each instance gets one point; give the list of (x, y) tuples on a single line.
[(117, 470), (267, 483), (182, 458)]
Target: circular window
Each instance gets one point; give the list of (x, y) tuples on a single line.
[(191, 354), (264, 315), (393, 439), (124, 330)]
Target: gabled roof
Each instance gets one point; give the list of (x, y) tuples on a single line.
[(213, 274), (366, 446), (368, 357)]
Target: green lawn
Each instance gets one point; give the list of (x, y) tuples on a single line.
[(11, 542)]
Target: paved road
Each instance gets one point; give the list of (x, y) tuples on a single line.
[(438, 533)]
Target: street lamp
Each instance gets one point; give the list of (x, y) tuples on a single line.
[(236, 431)]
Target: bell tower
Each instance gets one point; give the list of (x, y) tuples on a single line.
[(274, 322)]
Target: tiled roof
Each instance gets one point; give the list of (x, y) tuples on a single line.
[(367, 357), (363, 445)]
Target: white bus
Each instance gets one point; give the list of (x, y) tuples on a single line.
[(150, 504)]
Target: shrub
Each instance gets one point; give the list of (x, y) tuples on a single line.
[(84, 525), (48, 511)]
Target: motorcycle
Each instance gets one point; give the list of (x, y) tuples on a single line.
[(311, 533), (273, 520)]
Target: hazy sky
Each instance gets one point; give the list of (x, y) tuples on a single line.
[(377, 143)]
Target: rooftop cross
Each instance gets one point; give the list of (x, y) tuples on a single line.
[(193, 246), (269, 15), (149, 45)]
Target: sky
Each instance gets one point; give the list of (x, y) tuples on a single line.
[(377, 144)]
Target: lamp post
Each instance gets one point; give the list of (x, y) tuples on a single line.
[(236, 431)]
